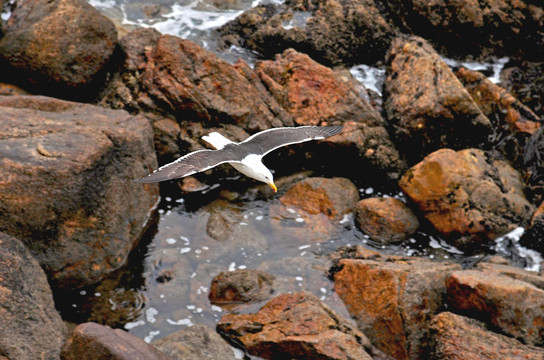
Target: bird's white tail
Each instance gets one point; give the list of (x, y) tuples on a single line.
[(216, 140)]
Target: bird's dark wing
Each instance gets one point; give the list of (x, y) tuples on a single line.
[(189, 164), (271, 139)]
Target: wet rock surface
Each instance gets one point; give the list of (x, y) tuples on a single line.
[(198, 342), (94, 341), (241, 286), (385, 220), (468, 196), (513, 306), (66, 190), (296, 326), (392, 298), (54, 56), (459, 337), (32, 328), (426, 105)]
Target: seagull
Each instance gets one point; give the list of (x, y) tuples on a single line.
[(245, 156)]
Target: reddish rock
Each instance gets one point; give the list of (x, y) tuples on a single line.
[(90, 341), (456, 337), (468, 196), (513, 306), (31, 326), (316, 205), (241, 286), (426, 105), (59, 47), (295, 326), (514, 272), (392, 299), (66, 190), (198, 342), (385, 220), (498, 104), (184, 79)]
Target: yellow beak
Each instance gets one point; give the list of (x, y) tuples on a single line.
[(273, 186)]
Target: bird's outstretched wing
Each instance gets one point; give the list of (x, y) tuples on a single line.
[(189, 164), (271, 139)]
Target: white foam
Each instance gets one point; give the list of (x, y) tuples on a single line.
[(186, 322), (150, 314), (371, 77)]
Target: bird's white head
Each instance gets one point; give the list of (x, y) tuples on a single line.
[(253, 167)]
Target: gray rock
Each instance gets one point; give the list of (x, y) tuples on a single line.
[(198, 342), (30, 325)]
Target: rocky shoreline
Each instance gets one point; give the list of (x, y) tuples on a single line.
[(466, 153)]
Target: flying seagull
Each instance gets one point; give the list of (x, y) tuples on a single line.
[(245, 156)]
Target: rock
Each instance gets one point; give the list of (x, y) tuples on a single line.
[(533, 238), (385, 220), (534, 166), (32, 327), (66, 190), (197, 342), (517, 273), (426, 105), (513, 306), (184, 79), (498, 104), (333, 32), (54, 56), (525, 80), (241, 286), (314, 206), (392, 299), (478, 29), (468, 196), (91, 341), (295, 326), (9, 89), (456, 337)]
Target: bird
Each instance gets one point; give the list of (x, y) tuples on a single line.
[(245, 156)]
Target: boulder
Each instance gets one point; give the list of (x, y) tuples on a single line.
[(392, 298), (314, 206), (456, 337), (60, 48), (333, 32), (66, 189), (295, 326), (241, 286), (533, 237), (31, 326), (426, 105), (513, 306), (90, 341), (473, 28), (198, 342), (468, 196), (385, 220)]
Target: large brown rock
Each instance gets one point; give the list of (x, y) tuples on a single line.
[(59, 47), (468, 196), (385, 220), (66, 190), (31, 326), (392, 299), (513, 306), (456, 337), (332, 32), (295, 326), (426, 105), (90, 341)]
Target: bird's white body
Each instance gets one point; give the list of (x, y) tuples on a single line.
[(251, 166)]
